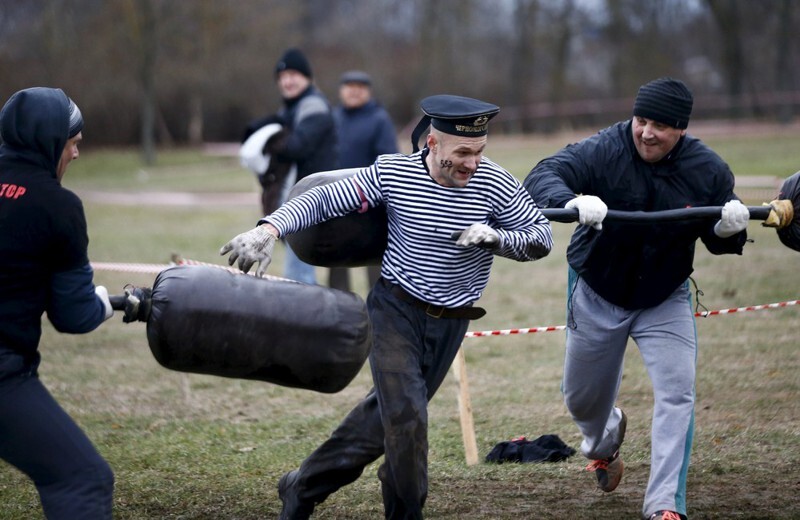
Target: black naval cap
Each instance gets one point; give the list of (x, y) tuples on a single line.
[(454, 115)]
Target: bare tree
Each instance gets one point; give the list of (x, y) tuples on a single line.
[(520, 81), (563, 39), (148, 72), (727, 14), (140, 19), (783, 46)]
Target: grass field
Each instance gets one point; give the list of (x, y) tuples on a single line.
[(187, 446)]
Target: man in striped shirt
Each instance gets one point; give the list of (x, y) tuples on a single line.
[(421, 307)]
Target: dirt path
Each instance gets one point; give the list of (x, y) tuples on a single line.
[(167, 198)]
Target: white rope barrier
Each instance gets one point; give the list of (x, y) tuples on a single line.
[(177, 261), (130, 268)]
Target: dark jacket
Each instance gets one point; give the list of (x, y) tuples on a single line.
[(311, 142), (364, 133), (44, 265), (635, 265)]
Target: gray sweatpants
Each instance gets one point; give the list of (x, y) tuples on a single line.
[(596, 340)]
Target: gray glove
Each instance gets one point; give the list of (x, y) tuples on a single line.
[(591, 210), (479, 235), (734, 219), (251, 247)]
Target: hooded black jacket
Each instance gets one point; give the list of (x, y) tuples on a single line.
[(44, 265), (634, 265)]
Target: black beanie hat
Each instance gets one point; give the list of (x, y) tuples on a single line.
[(665, 100), (294, 59)]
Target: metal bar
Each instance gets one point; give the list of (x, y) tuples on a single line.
[(668, 215)]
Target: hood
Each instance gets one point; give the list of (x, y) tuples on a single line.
[(34, 125)]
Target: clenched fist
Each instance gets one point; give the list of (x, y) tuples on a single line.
[(591, 210), (734, 219)]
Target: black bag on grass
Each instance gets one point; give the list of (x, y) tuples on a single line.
[(547, 448)]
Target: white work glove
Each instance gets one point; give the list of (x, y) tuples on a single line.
[(734, 219), (591, 210), (479, 235), (251, 247), (102, 293)]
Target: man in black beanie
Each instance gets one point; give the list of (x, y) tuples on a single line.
[(306, 145), (631, 279), (294, 59)]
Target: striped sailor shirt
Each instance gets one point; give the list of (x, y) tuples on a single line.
[(421, 256)]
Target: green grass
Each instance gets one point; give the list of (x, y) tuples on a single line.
[(178, 170), (771, 152), (768, 153), (188, 446)]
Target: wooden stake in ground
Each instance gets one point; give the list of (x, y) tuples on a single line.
[(465, 409)]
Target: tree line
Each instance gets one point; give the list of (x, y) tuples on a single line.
[(174, 72)]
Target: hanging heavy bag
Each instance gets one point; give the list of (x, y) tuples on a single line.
[(208, 320), (354, 240)]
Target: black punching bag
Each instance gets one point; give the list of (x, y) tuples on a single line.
[(355, 240), (208, 320)]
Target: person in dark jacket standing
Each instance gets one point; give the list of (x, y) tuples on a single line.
[(631, 280), (44, 268), (308, 142), (365, 131)]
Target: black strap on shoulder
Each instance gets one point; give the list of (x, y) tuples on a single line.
[(423, 124)]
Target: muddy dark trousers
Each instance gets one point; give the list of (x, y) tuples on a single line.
[(410, 357), (41, 440)]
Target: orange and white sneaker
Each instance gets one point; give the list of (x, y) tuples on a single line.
[(608, 472), (667, 515)]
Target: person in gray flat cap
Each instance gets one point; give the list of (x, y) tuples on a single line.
[(632, 280), (365, 131), (422, 305)]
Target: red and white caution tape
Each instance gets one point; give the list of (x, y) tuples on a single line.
[(704, 314), (157, 268), (750, 308), (508, 332)]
